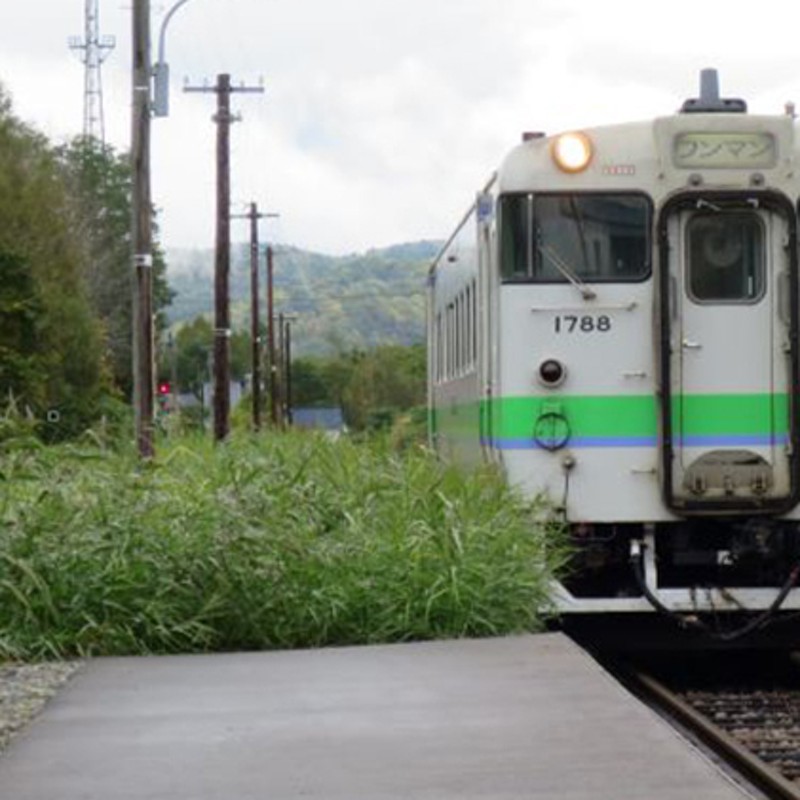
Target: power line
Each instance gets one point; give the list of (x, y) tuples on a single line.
[(366, 296)]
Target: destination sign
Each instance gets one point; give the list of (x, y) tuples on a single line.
[(725, 150)]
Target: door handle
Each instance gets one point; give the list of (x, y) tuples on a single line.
[(688, 344)]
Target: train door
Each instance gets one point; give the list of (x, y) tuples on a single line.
[(729, 315)]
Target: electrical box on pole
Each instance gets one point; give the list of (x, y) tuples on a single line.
[(161, 89), (161, 68)]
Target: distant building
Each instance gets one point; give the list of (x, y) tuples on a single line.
[(236, 390), (323, 419), (190, 400)]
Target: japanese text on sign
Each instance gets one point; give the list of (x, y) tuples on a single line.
[(725, 150)]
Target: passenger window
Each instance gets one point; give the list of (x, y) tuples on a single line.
[(516, 236)]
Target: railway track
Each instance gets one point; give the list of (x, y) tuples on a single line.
[(753, 725)]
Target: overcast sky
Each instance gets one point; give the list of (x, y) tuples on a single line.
[(381, 118)]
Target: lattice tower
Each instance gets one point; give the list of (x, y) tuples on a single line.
[(94, 49)]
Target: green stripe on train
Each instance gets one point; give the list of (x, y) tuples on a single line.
[(630, 415), (709, 414), (622, 415)]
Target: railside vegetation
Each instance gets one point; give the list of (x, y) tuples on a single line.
[(276, 541)]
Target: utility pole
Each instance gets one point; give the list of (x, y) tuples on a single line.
[(287, 366), (222, 261), (273, 367), (174, 393), (142, 233), (279, 372), (283, 369), (255, 338)]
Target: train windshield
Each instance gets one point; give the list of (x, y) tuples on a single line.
[(726, 258), (556, 238)]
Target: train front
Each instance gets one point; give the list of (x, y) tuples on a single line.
[(646, 373)]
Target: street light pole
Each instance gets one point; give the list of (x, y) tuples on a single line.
[(161, 68)]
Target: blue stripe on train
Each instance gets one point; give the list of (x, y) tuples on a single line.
[(643, 441)]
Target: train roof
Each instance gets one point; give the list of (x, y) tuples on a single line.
[(664, 152), (710, 140)]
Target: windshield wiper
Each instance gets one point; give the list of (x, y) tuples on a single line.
[(561, 265)]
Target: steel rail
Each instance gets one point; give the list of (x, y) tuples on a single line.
[(740, 757)]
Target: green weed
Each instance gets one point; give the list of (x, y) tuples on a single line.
[(266, 542)]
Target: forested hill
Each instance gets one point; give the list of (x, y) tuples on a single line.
[(340, 302)]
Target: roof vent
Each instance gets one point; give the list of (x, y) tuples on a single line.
[(709, 101)]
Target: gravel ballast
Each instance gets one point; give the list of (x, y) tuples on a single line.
[(24, 690)]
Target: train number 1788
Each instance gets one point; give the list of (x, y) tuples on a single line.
[(587, 323)]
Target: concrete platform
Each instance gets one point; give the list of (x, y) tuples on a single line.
[(523, 717)]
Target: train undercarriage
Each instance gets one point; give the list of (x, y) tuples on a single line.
[(713, 583), (697, 566)]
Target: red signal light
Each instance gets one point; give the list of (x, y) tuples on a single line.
[(164, 388)]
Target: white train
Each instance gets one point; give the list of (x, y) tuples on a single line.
[(615, 323)]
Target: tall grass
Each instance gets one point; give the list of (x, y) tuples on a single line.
[(277, 541)]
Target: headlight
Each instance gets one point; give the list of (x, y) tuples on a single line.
[(552, 373), (572, 152)]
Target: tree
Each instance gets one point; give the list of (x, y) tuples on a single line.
[(20, 372), (382, 382), (367, 385), (193, 345), (100, 187), (66, 282), (241, 355), (311, 383), (51, 341)]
